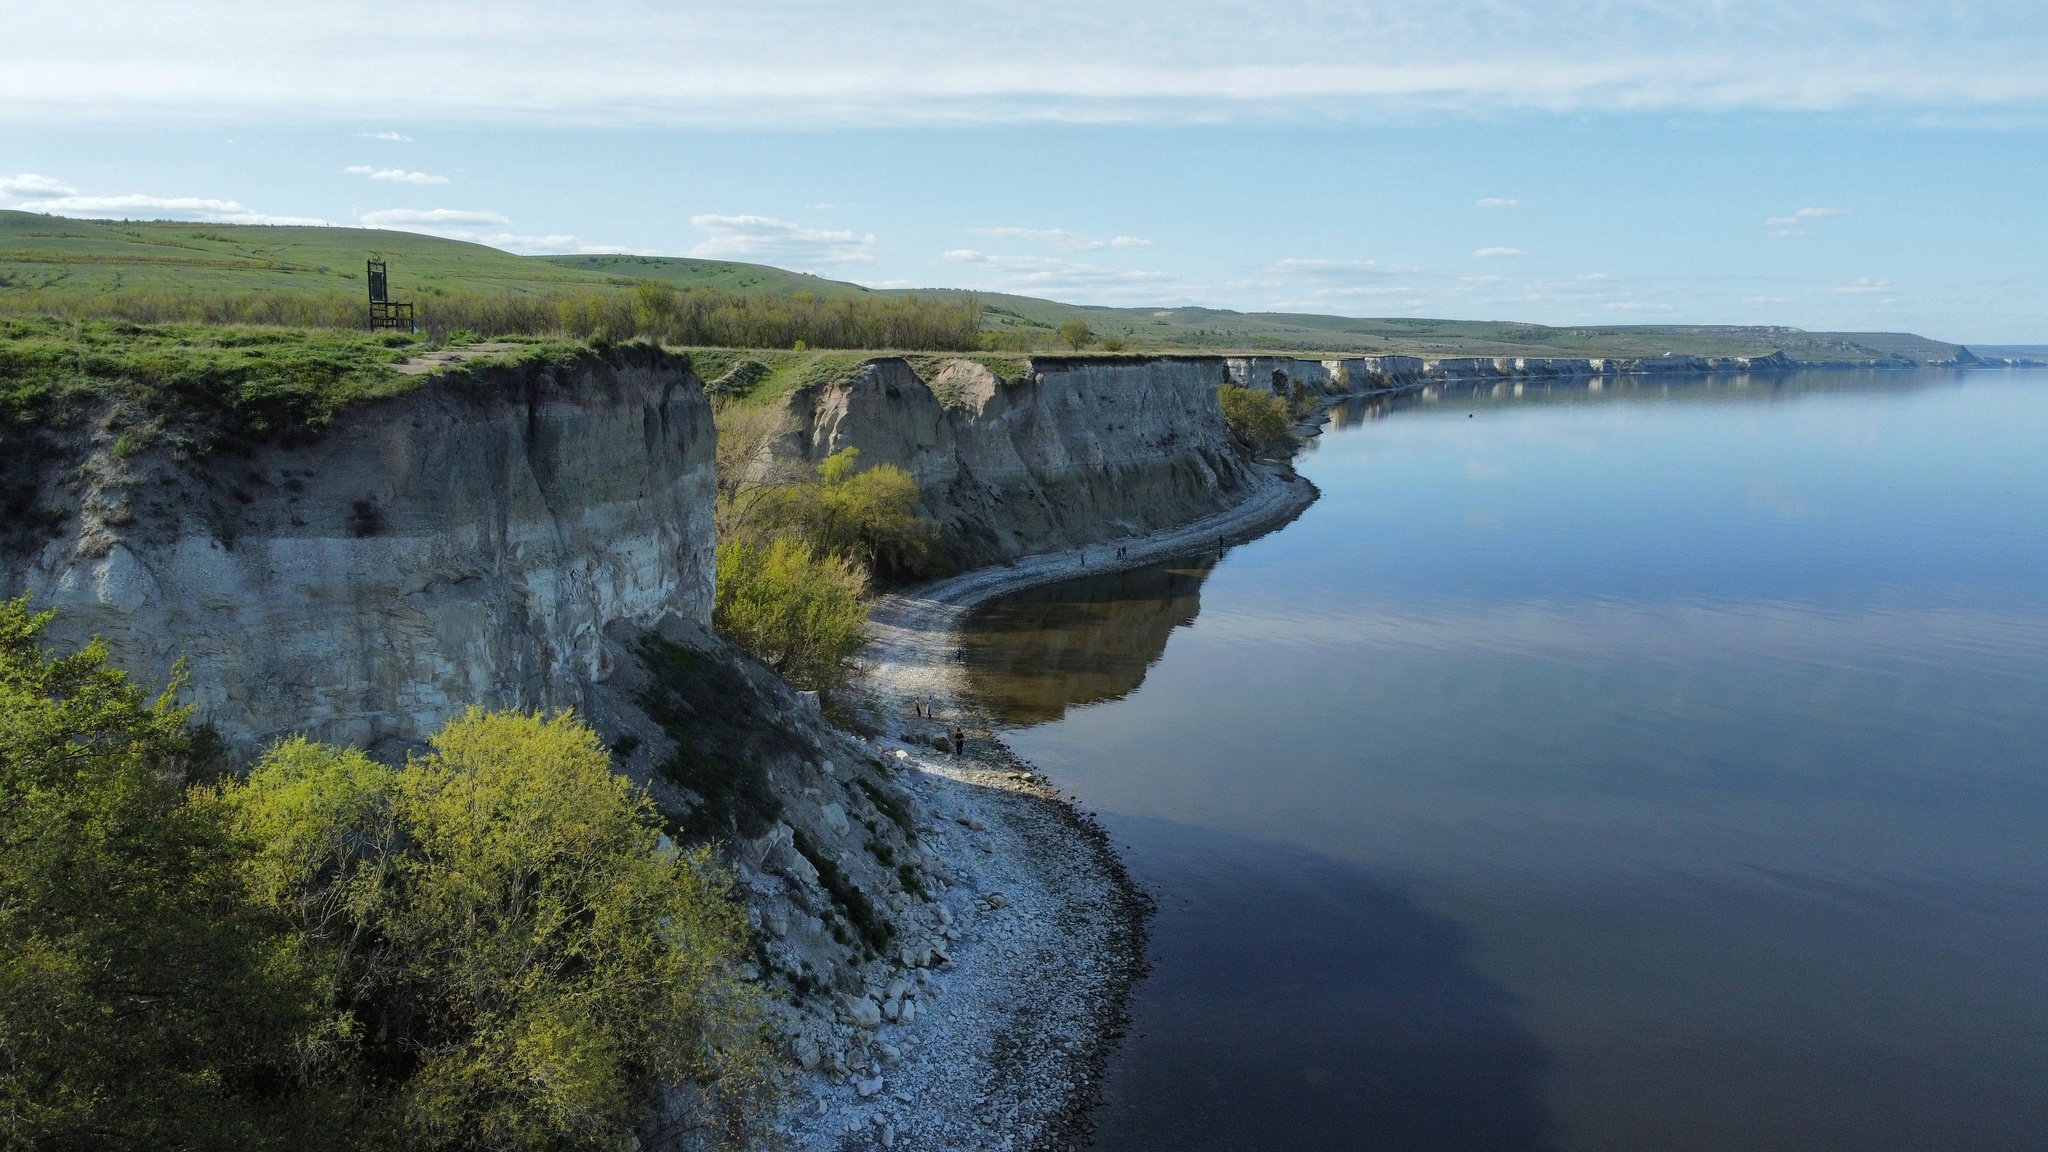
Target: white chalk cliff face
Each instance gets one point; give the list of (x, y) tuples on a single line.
[(1077, 451), (464, 544)]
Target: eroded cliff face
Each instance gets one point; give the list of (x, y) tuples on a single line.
[(1076, 451), (467, 543)]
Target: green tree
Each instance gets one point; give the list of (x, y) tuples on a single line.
[(800, 611), (520, 959), (142, 1001), (1256, 417), (868, 516), (491, 948), (1076, 333)]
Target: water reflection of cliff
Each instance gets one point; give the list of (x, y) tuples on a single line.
[(1032, 656)]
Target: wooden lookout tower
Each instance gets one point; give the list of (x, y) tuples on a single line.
[(384, 311)]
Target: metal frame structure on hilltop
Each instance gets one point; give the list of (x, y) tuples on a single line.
[(384, 311)]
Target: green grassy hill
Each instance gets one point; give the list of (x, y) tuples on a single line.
[(55, 255), (52, 258), (1221, 329)]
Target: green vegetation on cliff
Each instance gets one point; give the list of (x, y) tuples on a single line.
[(490, 947), (1255, 416), (226, 381), (795, 560)]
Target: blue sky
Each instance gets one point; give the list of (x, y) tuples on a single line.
[(1868, 165)]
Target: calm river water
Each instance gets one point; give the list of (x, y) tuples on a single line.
[(1655, 767)]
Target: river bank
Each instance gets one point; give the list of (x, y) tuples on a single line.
[(1007, 1047)]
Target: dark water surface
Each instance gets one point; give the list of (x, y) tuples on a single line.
[(1656, 767)]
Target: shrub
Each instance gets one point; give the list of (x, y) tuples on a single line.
[(518, 958), (800, 611), (140, 1001), (1256, 417), (492, 947), (1076, 333), (795, 561), (869, 517)]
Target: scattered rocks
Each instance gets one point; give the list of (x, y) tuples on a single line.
[(864, 1013)]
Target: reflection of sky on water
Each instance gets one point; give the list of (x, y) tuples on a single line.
[(1718, 719)]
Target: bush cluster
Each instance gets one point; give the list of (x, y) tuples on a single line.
[(492, 947), (1255, 416), (795, 561)]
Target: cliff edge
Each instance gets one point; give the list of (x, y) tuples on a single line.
[(465, 543)]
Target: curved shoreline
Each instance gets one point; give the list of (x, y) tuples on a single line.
[(1011, 1052)]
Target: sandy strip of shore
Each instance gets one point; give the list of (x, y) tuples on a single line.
[(1012, 1036)]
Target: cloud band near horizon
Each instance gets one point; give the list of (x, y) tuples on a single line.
[(918, 61)]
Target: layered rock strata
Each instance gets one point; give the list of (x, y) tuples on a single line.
[(467, 543), (1074, 451)]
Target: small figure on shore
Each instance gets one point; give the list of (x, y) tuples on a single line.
[(959, 655), (917, 705), (959, 741), (931, 707)]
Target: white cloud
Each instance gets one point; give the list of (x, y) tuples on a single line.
[(1325, 267), (384, 136), (766, 239), (30, 184), (1790, 225), (32, 193), (1499, 202), (1497, 253), (1863, 287), (394, 175), (395, 217), (488, 228), (1059, 238), (821, 61), (1070, 279)]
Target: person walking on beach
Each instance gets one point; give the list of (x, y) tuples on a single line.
[(931, 707), (959, 742)]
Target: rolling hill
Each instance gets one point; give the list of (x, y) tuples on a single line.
[(52, 258)]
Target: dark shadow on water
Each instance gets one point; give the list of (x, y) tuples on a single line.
[(1037, 653), (1296, 1003)]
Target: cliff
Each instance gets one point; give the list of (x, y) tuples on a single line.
[(1070, 451), (467, 542)]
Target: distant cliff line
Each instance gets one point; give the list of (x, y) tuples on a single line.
[(1343, 375)]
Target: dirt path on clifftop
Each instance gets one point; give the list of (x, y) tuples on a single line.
[(1010, 1050)]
